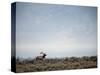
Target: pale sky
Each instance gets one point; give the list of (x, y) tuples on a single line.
[(58, 30)]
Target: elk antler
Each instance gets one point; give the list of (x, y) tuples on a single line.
[(41, 53)]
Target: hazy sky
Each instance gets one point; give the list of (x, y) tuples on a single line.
[(58, 30)]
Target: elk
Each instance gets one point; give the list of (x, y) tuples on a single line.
[(42, 57)]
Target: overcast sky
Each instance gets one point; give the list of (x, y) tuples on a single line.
[(58, 30)]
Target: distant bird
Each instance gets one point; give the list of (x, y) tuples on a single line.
[(42, 57)]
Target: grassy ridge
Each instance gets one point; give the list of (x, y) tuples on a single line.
[(56, 64)]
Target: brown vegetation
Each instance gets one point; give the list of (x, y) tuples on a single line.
[(56, 64)]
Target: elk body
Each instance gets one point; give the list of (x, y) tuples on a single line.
[(42, 57)]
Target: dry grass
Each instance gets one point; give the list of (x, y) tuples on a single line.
[(56, 64)]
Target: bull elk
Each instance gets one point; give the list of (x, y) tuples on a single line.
[(42, 57)]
